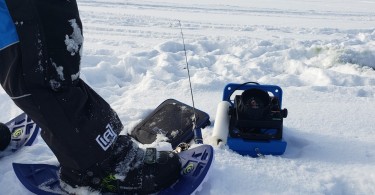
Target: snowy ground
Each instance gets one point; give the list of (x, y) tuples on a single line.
[(322, 53)]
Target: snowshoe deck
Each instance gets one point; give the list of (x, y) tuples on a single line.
[(43, 179)]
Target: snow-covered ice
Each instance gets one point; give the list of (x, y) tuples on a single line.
[(322, 54)]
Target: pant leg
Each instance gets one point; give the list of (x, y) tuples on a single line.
[(41, 74)]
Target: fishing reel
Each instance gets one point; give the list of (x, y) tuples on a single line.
[(256, 115), (256, 104)]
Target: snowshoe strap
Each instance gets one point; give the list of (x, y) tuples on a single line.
[(150, 156)]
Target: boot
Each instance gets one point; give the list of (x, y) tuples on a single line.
[(5, 136), (129, 170)]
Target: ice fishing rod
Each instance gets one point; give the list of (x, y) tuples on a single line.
[(197, 131)]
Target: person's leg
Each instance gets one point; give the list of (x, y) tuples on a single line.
[(41, 74), (42, 77)]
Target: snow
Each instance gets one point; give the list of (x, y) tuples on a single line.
[(321, 53), (75, 40)]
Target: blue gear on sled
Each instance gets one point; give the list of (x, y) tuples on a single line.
[(251, 123)]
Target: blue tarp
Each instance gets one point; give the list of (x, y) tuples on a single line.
[(8, 33)]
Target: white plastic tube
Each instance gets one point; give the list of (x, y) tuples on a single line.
[(221, 126)]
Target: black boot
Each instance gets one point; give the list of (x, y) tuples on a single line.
[(5, 136), (129, 170)]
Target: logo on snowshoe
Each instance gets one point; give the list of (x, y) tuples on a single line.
[(188, 168), (107, 138), (17, 133)]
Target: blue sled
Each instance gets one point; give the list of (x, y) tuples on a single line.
[(254, 148), (257, 148)]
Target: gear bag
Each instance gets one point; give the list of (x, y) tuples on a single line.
[(172, 119)]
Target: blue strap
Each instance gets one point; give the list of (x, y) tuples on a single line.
[(8, 33)]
